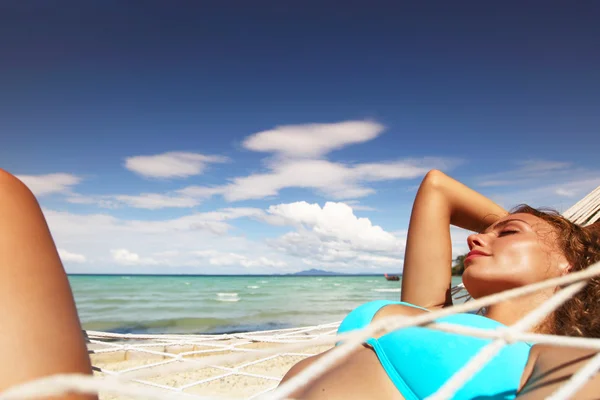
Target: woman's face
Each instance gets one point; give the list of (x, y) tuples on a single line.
[(517, 250)]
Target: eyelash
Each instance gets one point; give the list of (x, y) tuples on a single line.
[(507, 232)]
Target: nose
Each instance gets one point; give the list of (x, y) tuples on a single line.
[(476, 240)]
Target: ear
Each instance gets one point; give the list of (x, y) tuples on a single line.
[(564, 267)]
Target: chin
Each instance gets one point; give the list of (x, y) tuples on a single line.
[(480, 284)]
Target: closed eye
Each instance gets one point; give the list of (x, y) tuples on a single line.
[(507, 232)]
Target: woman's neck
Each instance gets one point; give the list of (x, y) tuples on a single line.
[(511, 311)]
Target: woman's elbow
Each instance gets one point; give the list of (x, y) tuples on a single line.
[(434, 179)]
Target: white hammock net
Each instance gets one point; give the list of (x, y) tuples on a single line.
[(251, 365)]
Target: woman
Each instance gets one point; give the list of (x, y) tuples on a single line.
[(510, 250), (40, 334)]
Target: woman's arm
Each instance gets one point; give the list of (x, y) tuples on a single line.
[(440, 202), (40, 334)]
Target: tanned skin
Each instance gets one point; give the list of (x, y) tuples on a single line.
[(40, 333)]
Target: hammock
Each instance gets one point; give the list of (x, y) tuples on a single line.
[(250, 365)]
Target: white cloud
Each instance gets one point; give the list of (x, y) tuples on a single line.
[(337, 222), (296, 165), (148, 201), (160, 246), (228, 259), (565, 192), (126, 257), (333, 237), (42, 185), (312, 140), (171, 164), (328, 237), (100, 201), (201, 192), (68, 257), (335, 180), (153, 201)]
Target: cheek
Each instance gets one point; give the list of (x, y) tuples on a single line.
[(512, 265), (525, 260)]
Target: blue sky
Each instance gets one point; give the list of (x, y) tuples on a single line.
[(271, 138)]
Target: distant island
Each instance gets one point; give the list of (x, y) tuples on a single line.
[(317, 272)]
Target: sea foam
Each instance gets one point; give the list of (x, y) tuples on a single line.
[(228, 297)]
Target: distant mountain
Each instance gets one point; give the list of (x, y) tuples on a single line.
[(314, 272)]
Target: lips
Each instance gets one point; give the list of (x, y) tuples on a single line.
[(474, 254)]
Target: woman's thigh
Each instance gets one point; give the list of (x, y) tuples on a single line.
[(360, 376)]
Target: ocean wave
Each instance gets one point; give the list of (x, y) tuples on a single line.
[(397, 290), (232, 299), (264, 281)]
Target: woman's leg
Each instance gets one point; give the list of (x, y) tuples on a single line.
[(40, 333), (550, 367)]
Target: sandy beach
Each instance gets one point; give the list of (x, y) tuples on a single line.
[(156, 360)]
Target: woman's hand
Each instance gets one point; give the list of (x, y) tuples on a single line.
[(440, 202)]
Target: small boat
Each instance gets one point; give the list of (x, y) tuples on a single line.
[(391, 277)]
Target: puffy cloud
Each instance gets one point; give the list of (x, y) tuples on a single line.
[(312, 140), (68, 257), (336, 222), (332, 236), (42, 185), (126, 257), (171, 164)]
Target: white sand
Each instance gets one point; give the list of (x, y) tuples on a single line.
[(231, 386)]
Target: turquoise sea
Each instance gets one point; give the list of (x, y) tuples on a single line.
[(221, 304)]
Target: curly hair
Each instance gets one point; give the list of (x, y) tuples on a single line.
[(580, 315)]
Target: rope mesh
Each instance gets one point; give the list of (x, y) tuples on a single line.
[(251, 365)]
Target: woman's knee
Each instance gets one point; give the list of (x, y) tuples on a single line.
[(14, 194)]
